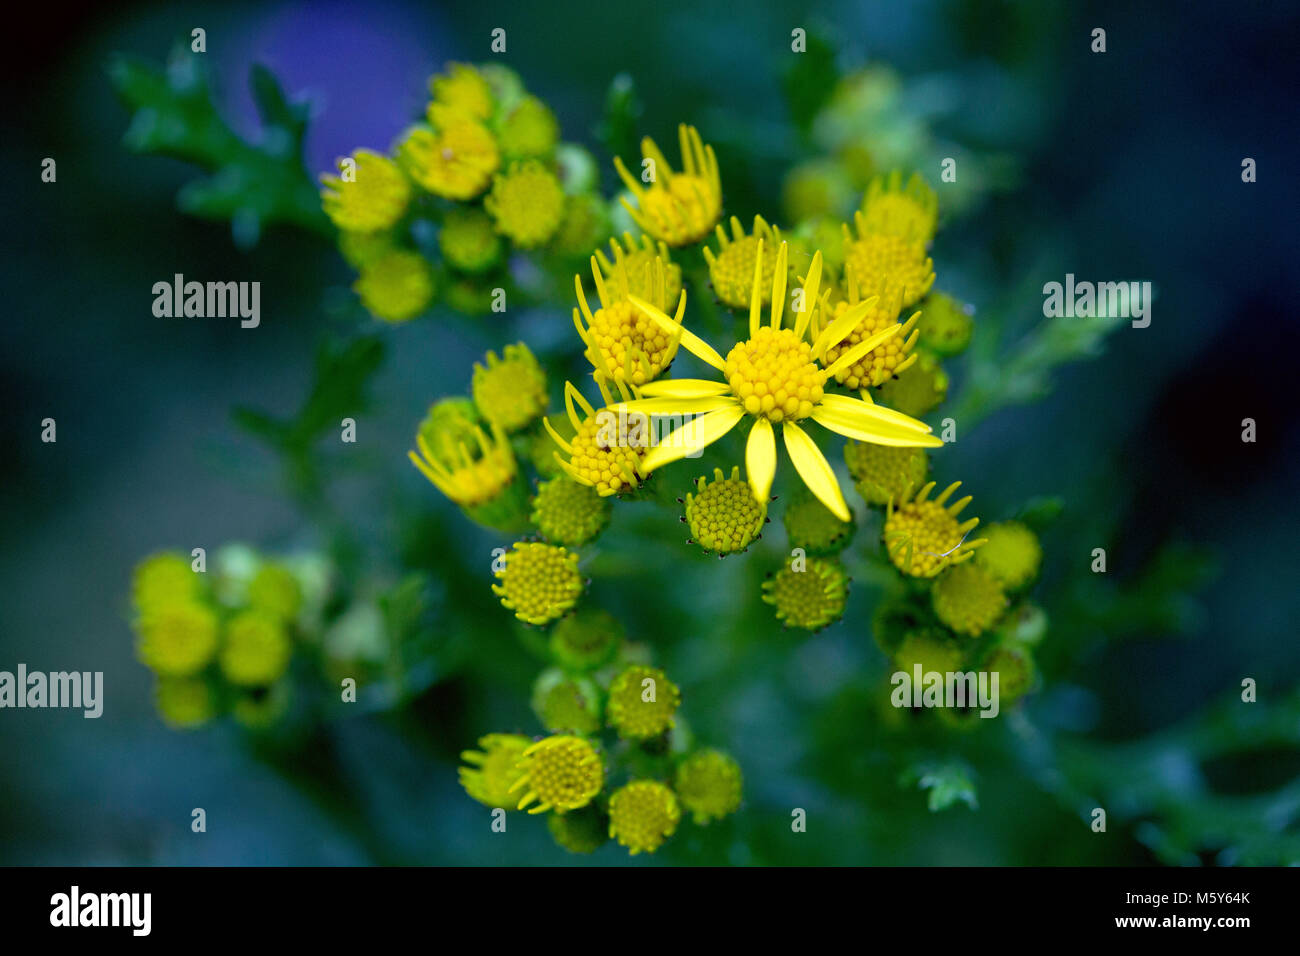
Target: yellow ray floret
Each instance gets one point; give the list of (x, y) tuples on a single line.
[(923, 535), (731, 269), (633, 255), (909, 211), (886, 360), (776, 376), (468, 475), (678, 207), (608, 448)]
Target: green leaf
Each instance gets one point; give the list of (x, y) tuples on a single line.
[(948, 782)]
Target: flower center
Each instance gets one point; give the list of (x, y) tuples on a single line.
[(773, 374)]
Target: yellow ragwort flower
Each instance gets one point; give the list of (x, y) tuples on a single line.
[(724, 516), (569, 513), (731, 269), (642, 702), (456, 160), (527, 204), (608, 449), (510, 391), (809, 598), (881, 264), (776, 376), (372, 200), (887, 359), (162, 578), (923, 536), (881, 473), (539, 582), (709, 785), (909, 211), (1011, 554), (255, 651), (632, 256), (464, 89), (623, 343), (679, 208), (560, 773), (177, 638), (968, 599), (395, 287), (470, 474), (493, 770), (642, 815)]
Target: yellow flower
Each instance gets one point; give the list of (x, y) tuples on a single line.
[(724, 516), (1011, 554), (642, 815), (468, 242), (893, 209), (527, 204), (679, 208), (968, 599), (395, 287), (185, 702), (624, 344), (530, 131), (607, 449), (633, 256), (879, 264), (162, 578), (510, 391), (881, 473), (539, 582), (923, 536), (373, 200), (569, 513), (541, 446), (455, 162), (642, 701), (177, 638), (560, 773), (256, 650), (463, 88), (775, 376), (887, 359), (809, 598), (732, 268), (468, 474), (493, 770), (709, 784)]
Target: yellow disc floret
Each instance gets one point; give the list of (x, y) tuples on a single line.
[(569, 513), (731, 268), (809, 593), (560, 773), (881, 472), (923, 535), (886, 265), (527, 204), (1011, 553), (494, 769), (607, 447), (177, 638), (256, 650), (724, 516), (709, 785), (679, 208), (510, 391), (539, 582), (371, 195), (908, 211), (773, 374), (890, 357), (642, 702), (456, 161), (395, 287), (642, 815)]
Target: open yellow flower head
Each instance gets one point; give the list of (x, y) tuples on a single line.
[(893, 208), (623, 343), (968, 599), (464, 89), (724, 516), (255, 651), (471, 469), (923, 535), (642, 702), (918, 389), (882, 265), (372, 194), (560, 773), (469, 242), (809, 598), (162, 578), (709, 785), (510, 391), (608, 448), (494, 769), (539, 582), (454, 160), (527, 203), (678, 207), (632, 256), (881, 473), (777, 376), (395, 287), (530, 131), (184, 703), (731, 268), (1011, 554), (177, 638), (886, 360), (568, 512), (642, 815), (275, 591)]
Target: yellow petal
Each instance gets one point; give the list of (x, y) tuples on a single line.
[(811, 284), (694, 344), (672, 405), (869, 430), (862, 348), (760, 458), (834, 333), (684, 388), (696, 434), (870, 411), (815, 470)]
